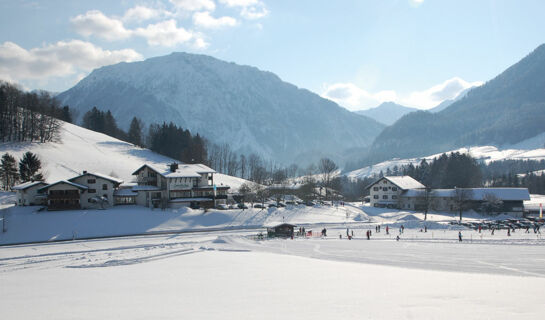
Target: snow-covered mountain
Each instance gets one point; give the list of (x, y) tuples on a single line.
[(484, 154), (387, 112), (251, 110), (80, 149)]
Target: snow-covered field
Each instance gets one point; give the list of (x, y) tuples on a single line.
[(483, 153), (80, 149), (229, 275), (27, 224)]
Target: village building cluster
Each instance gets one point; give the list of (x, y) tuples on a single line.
[(174, 186)]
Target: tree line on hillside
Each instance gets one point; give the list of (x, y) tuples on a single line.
[(29, 116), (12, 173)]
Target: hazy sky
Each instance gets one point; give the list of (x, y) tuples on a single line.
[(358, 53)]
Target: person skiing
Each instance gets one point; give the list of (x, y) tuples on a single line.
[(368, 235), (492, 233), (459, 236), (508, 232), (387, 230), (425, 228), (397, 238), (480, 228)]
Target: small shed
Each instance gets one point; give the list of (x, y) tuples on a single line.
[(284, 230)]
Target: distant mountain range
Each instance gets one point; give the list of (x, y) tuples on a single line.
[(387, 112), (506, 110), (251, 110)]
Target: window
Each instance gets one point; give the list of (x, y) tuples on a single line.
[(91, 181), (384, 181), (104, 187), (375, 188), (375, 196), (394, 188), (394, 197), (92, 191), (385, 197)]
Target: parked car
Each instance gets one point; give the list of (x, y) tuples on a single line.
[(272, 205), (258, 205), (233, 206), (242, 206), (281, 205), (310, 203), (222, 207)]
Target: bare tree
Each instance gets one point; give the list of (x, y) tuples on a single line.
[(462, 199), (327, 167), (424, 201), (491, 203)]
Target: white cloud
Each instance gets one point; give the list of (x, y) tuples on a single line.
[(353, 97), (96, 23), (194, 5), (60, 59), (416, 3), (141, 13), (431, 97), (239, 3), (164, 33), (252, 13), (205, 20), (250, 9)]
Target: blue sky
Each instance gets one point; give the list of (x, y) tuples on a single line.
[(358, 53)]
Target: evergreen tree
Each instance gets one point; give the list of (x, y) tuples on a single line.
[(29, 167), (8, 171), (135, 132)]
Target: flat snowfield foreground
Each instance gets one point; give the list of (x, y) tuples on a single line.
[(229, 275)]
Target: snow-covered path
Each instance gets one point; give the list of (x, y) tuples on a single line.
[(229, 275)]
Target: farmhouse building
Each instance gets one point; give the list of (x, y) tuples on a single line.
[(386, 191)]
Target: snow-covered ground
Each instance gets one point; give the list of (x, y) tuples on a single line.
[(229, 275), (81, 149), (486, 154)]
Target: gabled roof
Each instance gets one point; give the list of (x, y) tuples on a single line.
[(77, 185), (402, 182), (183, 171), (98, 175), (26, 185), (477, 194)]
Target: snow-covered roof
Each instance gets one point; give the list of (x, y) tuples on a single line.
[(27, 185), (183, 171), (402, 182), (476, 194), (77, 185), (98, 175)]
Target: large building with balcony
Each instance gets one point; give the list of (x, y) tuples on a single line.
[(177, 185)]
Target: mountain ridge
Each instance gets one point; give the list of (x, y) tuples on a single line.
[(505, 110), (252, 110)]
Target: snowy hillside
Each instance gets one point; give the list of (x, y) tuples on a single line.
[(485, 153), (81, 149)]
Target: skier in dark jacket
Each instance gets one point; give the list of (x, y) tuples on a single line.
[(460, 236)]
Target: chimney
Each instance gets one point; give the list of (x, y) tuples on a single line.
[(173, 167), (84, 171)]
